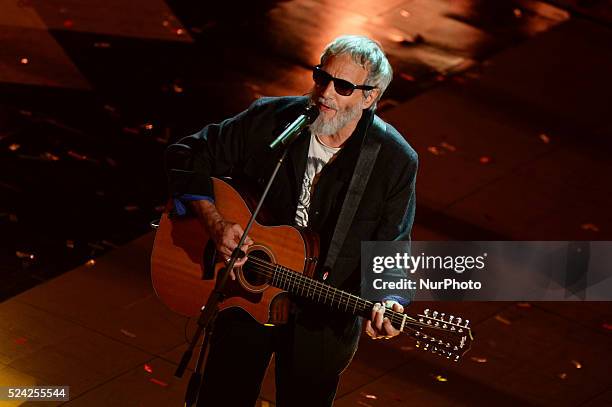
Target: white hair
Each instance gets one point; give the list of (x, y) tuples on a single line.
[(366, 52)]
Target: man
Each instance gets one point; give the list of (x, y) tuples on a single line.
[(317, 343)]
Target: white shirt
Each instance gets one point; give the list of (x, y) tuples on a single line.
[(319, 155)]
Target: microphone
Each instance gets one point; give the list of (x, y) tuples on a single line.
[(290, 133)]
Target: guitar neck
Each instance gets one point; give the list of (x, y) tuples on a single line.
[(318, 292)]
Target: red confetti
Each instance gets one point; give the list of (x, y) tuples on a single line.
[(523, 305), (589, 226), (68, 23), (24, 61), (14, 147), (448, 146), (606, 326), (434, 150), (517, 13), (148, 368), (21, 341), (544, 137), (485, 160), (158, 382), (407, 77), (77, 156), (180, 31)]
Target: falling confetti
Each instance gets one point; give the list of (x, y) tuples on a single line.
[(148, 368), (147, 126), (24, 61), (405, 13), (90, 263), (502, 320), (590, 226), (577, 364), (371, 396), (485, 160), (517, 13), (607, 326), (523, 305), (180, 31), (177, 88), (158, 382), (49, 156), (68, 23), (24, 255), (562, 376), (166, 23), (544, 137), (448, 146), (434, 150), (75, 155), (127, 333), (14, 147), (479, 359), (440, 378), (407, 77)]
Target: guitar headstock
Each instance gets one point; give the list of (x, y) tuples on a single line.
[(445, 335)]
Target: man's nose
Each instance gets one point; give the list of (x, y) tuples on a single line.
[(329, 92)]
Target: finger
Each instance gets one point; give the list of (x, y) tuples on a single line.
[(248, 241), (369, 331), (232, 275), (375, 309), (397, 307), (389, 329), (378, 321)]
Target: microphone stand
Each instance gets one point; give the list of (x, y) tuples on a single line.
[(210, 310)]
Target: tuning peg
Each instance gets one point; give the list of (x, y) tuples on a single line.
[(444, 326), (437, 324), (450, 318), (417, 333), (442, 315), (426, 312), (429, 322), (440, 342), (456, 358), (458, 321), (467, 322), (421, 320), (448, 345), (418, 344), (435, 314)]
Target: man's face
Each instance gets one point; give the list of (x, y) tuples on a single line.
[(336, 111)]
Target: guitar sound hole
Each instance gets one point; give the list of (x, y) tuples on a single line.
[(254, 271)]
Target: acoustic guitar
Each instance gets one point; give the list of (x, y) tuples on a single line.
[(280, 262)]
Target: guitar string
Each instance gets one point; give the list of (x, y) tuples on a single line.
[(302, 282), (270, 270), (396, 317)]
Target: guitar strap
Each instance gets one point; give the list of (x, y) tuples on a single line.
[(359, 180)]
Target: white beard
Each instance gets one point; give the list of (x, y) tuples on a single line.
[(327, 127)]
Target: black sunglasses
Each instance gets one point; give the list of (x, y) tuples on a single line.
[(342, 87)]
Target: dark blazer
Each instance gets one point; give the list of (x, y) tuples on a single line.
[(239, 147)]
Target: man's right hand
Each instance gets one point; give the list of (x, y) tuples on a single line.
[(226, 236)]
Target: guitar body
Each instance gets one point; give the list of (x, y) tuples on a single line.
[(184, 269)]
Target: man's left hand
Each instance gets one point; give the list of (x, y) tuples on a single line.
[(379, 326)]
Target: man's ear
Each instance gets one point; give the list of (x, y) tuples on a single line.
[(369, 100)]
